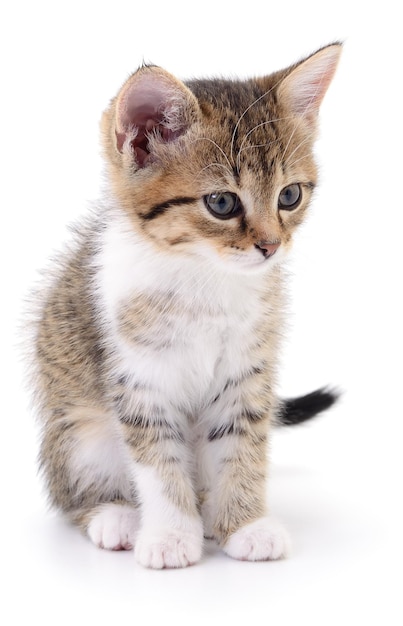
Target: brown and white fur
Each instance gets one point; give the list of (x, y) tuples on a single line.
[(157, 338)]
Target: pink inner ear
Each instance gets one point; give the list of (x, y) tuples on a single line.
[(306, 85), (144, 108)]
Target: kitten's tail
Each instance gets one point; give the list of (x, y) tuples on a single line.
[(297, 410)]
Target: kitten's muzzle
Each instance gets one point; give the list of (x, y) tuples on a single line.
[(267, 248)]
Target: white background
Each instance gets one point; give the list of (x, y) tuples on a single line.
[(335, 483)]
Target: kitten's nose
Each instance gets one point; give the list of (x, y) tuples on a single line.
[(268, 248)]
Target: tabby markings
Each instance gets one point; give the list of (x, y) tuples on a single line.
[(159, 428), (159, 209)]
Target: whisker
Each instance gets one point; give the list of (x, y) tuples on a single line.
[(258, 126), (245, 112), (215, 165), (218, 148), (256, 145), (248, 134), (299, 159), (289, 139), (301, 143)]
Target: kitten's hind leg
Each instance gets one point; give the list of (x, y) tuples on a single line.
[(112, 526), (83, 460)]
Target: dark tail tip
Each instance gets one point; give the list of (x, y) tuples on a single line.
[(298, 410)]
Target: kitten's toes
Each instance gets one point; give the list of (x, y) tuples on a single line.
[(168, 548), (114, 526), (262, 540)]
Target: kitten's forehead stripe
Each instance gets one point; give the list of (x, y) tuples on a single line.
[(159, 209)]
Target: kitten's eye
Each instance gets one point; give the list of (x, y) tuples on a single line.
[(290, 197), (223, 205)]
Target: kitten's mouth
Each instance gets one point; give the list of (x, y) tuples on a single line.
[(249, 262), (254, 261)]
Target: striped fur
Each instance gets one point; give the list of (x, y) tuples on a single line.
[(157, 336)]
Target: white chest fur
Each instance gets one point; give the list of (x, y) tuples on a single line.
[(195, 333)]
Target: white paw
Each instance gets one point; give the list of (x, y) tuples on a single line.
[(114, 527), (168, 548), (262, 540)]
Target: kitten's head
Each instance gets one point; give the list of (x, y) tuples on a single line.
[(221, 169)]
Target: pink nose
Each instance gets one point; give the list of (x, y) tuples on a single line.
[(268, 248)]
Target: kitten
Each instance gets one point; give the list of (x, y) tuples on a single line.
[(157, 338)]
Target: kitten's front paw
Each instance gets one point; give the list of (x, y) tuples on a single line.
[(168, 548), (262, 540)]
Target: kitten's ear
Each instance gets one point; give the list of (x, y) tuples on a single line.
[(305, 85), (152, 108)]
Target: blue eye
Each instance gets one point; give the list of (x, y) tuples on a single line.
[(223, 205), (290, 197)]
